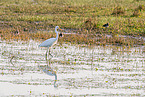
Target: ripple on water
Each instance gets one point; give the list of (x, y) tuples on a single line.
[(81, 71)]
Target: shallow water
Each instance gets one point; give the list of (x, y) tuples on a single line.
[(80, 70)]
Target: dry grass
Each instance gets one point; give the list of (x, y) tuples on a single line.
[(32, 18), (118, 11)]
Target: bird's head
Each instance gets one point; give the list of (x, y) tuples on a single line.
[(60, 34), (57, 27)]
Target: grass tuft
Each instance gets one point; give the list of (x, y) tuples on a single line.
[(136, 13), (34, 18), (118, 11)]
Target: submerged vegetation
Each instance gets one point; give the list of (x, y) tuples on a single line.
[(33, 18)]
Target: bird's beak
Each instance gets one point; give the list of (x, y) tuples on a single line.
[(60, 29), (60, 34)]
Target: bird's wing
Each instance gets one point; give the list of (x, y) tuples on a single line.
[(48, 42)]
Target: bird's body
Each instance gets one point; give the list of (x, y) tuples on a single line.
[(50, 42), (106, 25)]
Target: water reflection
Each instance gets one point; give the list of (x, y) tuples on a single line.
[(11, 60), (45, 68), (48, 70), (108, 70)]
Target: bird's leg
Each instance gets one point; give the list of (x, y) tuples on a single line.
[(48, 62), (46, 54), (50, 53)]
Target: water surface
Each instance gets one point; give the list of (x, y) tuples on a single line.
[(81, 70)]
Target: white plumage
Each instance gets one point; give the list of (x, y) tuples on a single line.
[(50, 42)]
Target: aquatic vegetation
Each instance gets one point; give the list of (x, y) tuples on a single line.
[(33, 18), (78, 67), (88, 58)]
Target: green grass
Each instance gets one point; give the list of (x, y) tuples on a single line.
[(126, 17)]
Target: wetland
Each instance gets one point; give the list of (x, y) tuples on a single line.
[(81, 70)]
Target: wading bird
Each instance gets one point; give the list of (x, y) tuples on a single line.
[(47, 69), (106, 25), (50, 42)]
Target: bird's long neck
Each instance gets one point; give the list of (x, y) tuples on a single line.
[(55, 77), (55, 81), (56, 33)]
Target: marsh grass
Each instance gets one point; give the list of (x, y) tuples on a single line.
[(32, 17), (137, 11), (118, 11)]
